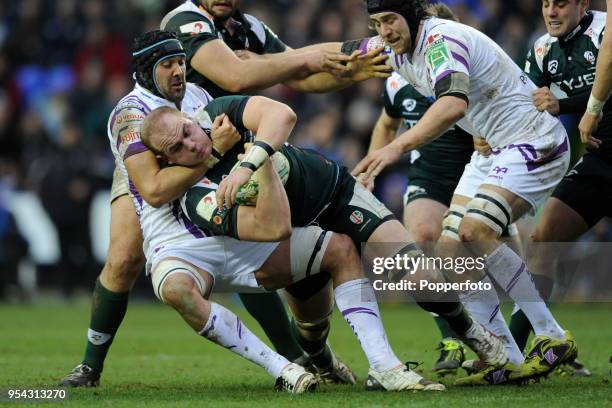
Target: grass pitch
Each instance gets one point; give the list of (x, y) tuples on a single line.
[(156, 360)]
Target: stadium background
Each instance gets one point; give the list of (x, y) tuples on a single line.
[(65, 63)]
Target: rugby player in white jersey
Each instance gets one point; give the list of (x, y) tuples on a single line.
[(478, 86)]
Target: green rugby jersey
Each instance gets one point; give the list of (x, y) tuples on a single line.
[(445, 157), (195, 27), (567, 66), (310, 186)]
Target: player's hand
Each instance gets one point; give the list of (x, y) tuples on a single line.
[(376, 161), (588, 126), (482, 147), (224, 134), (229, 186), (545, 100), (325, 61), (366, 181), (370, 65)]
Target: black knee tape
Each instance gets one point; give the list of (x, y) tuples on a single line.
[(308, 287)]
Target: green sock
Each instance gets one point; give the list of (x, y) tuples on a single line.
[(107, 312), (445, 331), (520, 328), (270, 313), (317, 350)]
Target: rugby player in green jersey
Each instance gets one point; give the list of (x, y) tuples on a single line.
[(212, 30), (319, 191), (562, 64)]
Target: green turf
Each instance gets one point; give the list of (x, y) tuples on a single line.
[(157, 360)]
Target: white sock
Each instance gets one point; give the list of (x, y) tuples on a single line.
[(227, 330), (483, 306), (357, 302), (510, 272)]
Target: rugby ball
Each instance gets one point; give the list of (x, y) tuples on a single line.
[(247, 194)]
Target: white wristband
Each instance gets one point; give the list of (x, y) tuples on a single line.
[(595, 106), (255, 158)]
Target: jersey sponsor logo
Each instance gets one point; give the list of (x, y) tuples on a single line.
[(540, 51), (578, 82), (394, 84), (356, 217), (553, 66), (207, 205), (590, 57), (498, 170), (409, 104), (130, 117), (437, 55), (433, 38), (131, 136), (197, 27)]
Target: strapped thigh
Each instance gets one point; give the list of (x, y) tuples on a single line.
[(491, 208), (171, 266)]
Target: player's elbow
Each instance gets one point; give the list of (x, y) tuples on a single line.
[(153, 196), (153, 200), (273, 233), (286, 116), (279, 230), (282, 232), (235, 86)]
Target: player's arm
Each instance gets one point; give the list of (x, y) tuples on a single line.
[(157, 186), (236, 75), (384, 131), (268, 220), (603, 71), (601, 87), (360, 68), (272, 122), (367, 61), (443, 114)]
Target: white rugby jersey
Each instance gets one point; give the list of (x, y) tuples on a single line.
[(167, 224), (500, 103)]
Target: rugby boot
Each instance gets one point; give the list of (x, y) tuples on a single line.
[(452, 355), (336, 373), (81, 376), (489, 348), (400, 378), (295, 380), (546, 353)]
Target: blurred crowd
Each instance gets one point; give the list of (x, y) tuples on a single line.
[(65, 63)]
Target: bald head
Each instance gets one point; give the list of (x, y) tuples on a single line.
[(175, 137), (157, 124)]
